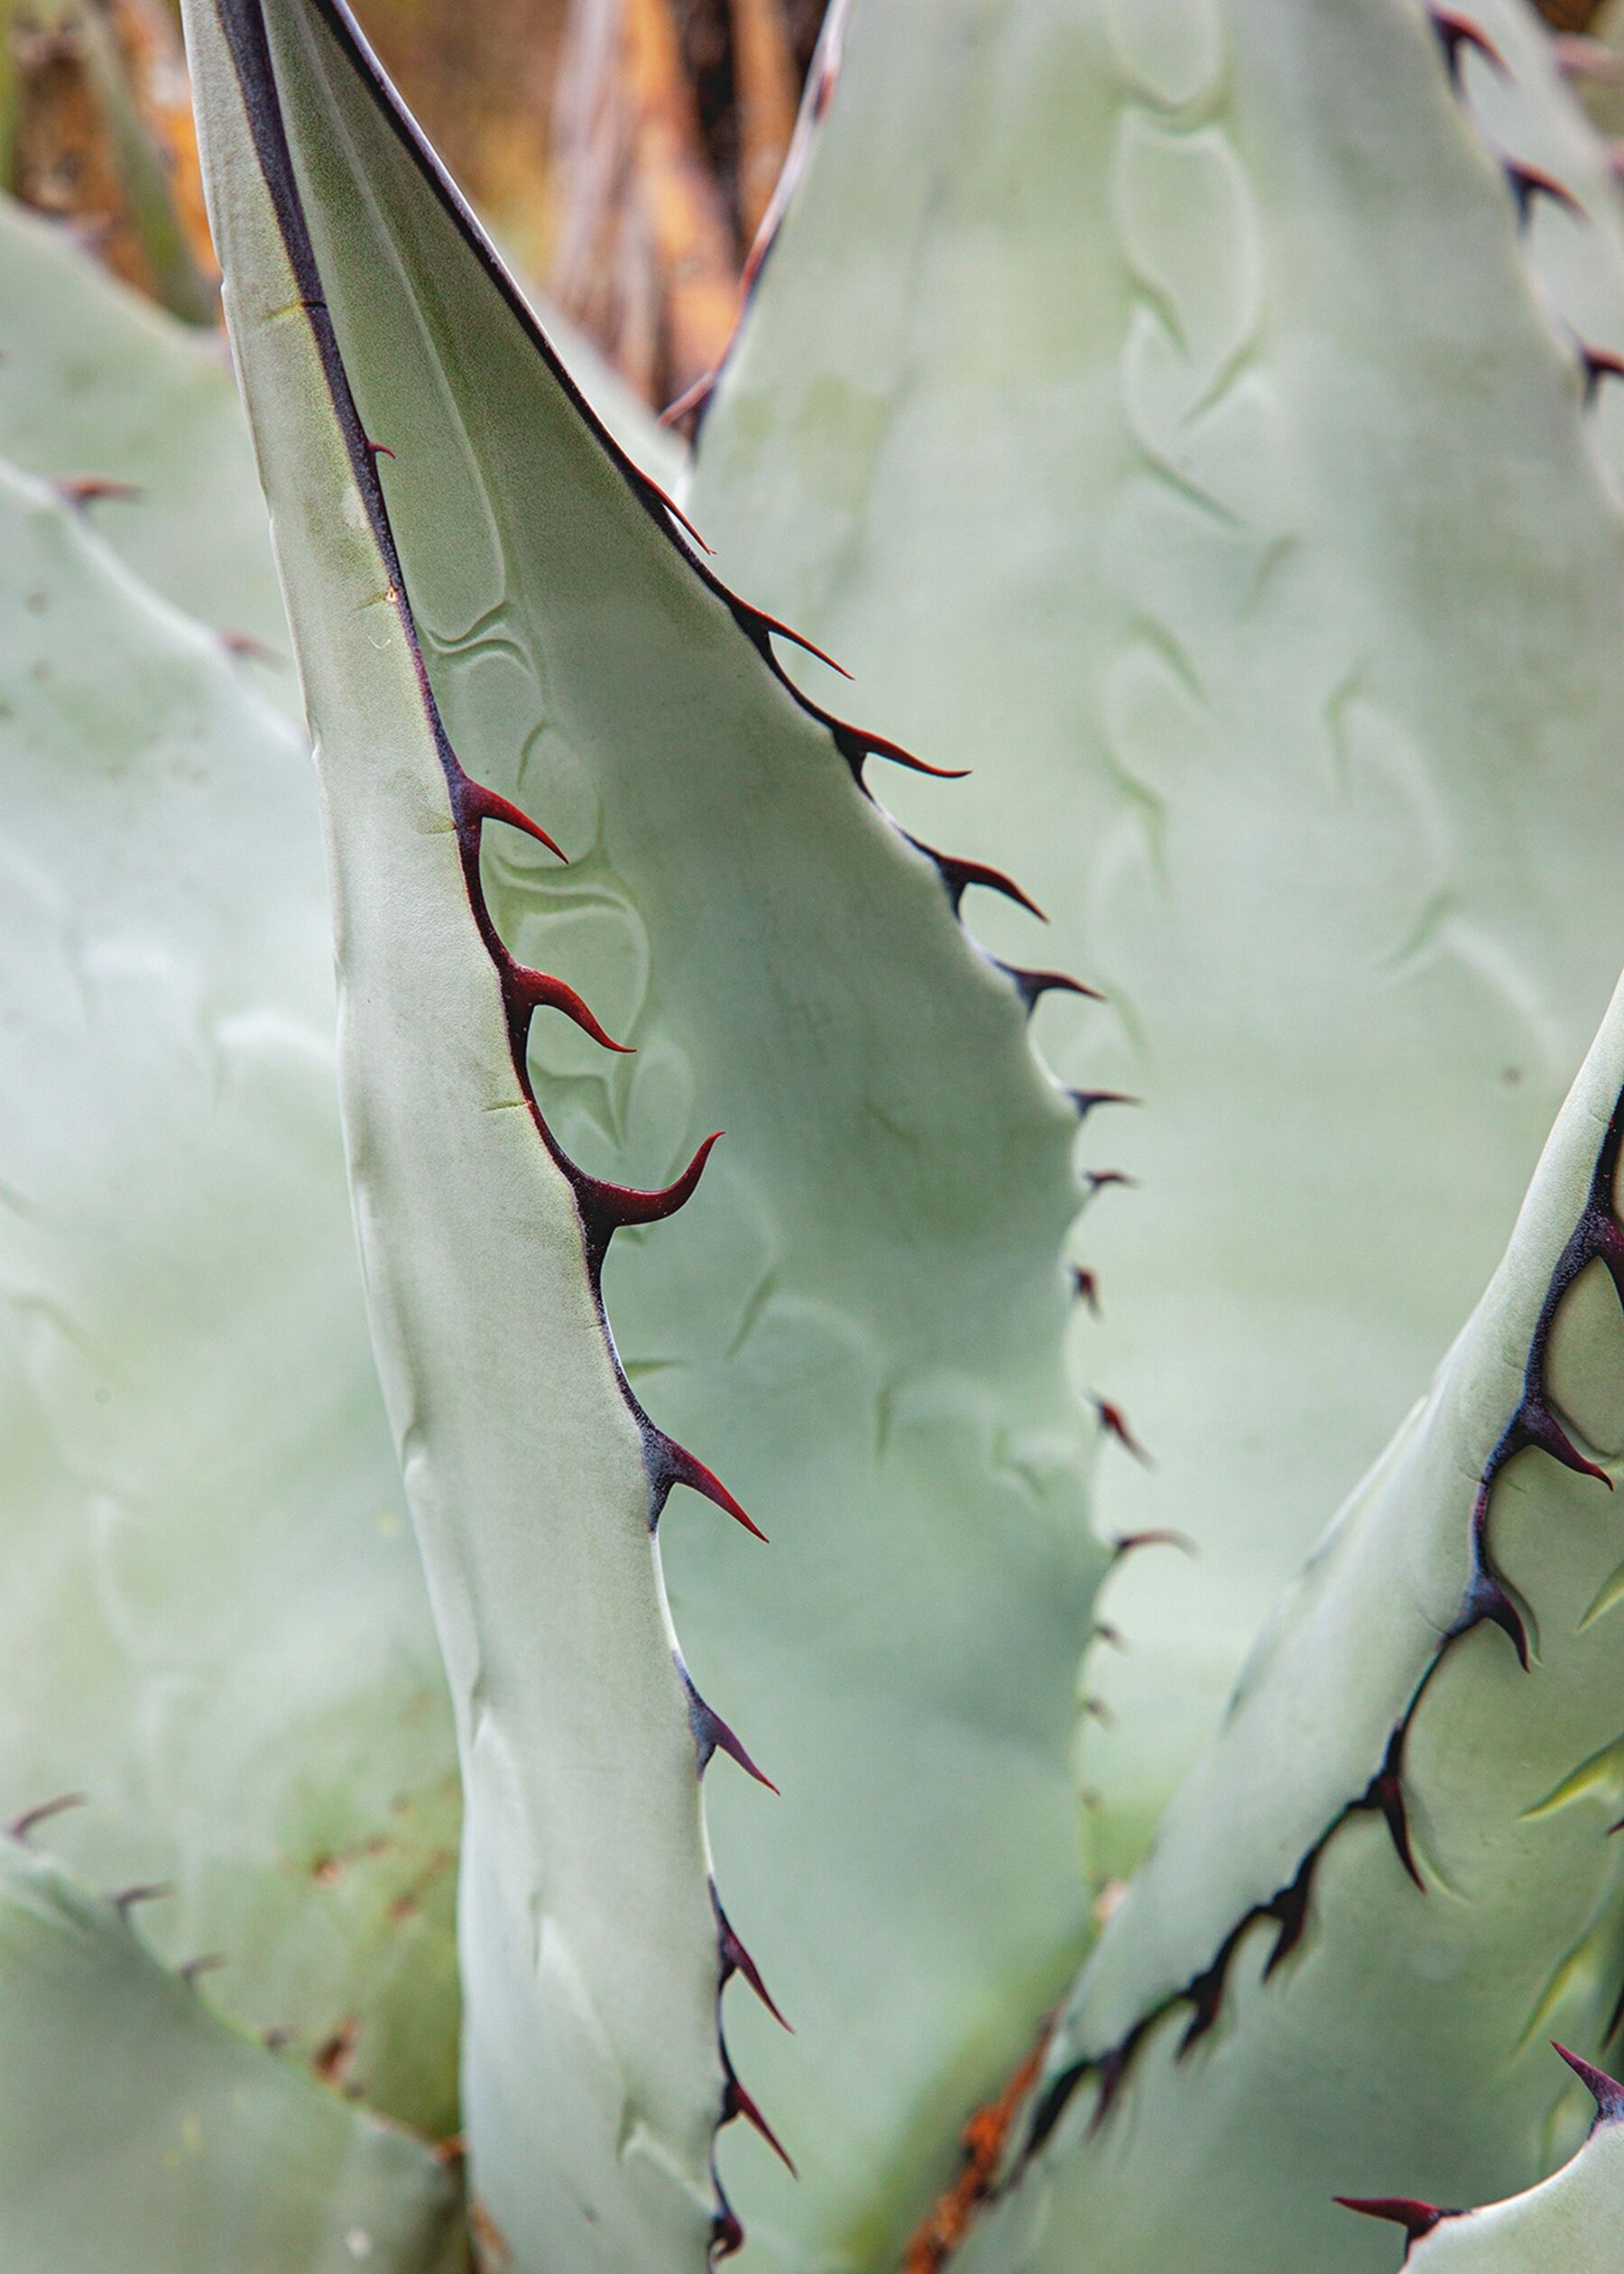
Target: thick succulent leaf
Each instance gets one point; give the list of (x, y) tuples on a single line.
[(95, 381), (212, 1618), (1151, 405), (1390, 1880), (858, 1320), (592, 2078), (138, 2131), (1572, 2220)]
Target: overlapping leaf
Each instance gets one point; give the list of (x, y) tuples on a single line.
[(1572, 2220), (97, 381), (1152, 405), (857, 1321), (213, 1621), (138, 2130), (1391, 1879)]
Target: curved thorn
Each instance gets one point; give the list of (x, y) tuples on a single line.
[(1456, 34), (1542, 1428), (1086, 1288), (244, 645), (856, 746), (671, 1463), (475, 804), (1161, 1536), (1114, 1422), (21, 1827), (959, 876), (541, 991), (1606, 2090), (652, 1208), (79, 490), (1597, 365), (210, 1963), (1206, 1995), (1416, 2218), (1289, 1908), (1052, 2104), (1528, 184), (1112, 2072), (737, 1960), (664, 498), (1487, 1600), (1031, 986), (737, 2101), (127, 1897), (711, 1734), (613, 1206), (1385, 1794), (1085, 1100), (754, 621)]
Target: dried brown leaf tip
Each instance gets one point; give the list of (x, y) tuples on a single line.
[(983, 2140)]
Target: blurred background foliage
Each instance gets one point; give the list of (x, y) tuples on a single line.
[(622, 152)]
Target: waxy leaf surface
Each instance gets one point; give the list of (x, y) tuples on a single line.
[(857, 1321), (212, 1621), (1158, 408), (138, 2130)]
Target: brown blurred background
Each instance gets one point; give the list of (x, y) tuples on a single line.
[(622, 152)]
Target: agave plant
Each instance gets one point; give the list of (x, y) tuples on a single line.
[(1197, 424)]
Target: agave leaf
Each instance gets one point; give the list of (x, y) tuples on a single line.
[(1572, 2220), (212, 1621), (95, 381), (1151, 407), (138, 2130), (858, 1320), (1389, 1880)]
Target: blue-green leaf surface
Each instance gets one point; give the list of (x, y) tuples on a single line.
[(1170, 413), (858, 1321)]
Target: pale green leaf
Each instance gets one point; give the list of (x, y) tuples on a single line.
[(858, 1321), (139, 2132), (1390, 1881), (96, 380), (1153, 406), (1573, 2222), (212, 1621)]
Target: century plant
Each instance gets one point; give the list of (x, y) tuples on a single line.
[(1200, 425)]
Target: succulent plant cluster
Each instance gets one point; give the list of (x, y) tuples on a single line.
[(1195, 426)]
